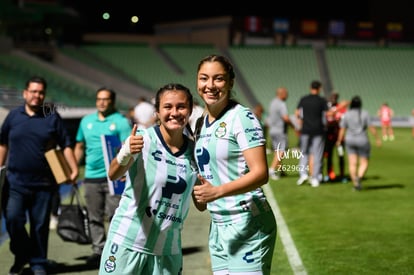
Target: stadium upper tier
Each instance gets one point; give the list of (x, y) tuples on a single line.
[(376, 74)]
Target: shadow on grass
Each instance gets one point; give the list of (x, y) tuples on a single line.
[(58, 268), (370, 186), (76, 268), (378, 187), (192, 249), (374, 177)]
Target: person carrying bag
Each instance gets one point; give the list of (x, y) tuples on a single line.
[(73, 221)]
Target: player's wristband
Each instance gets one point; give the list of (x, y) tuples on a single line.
[(124, 155)]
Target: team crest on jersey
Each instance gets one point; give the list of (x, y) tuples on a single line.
[(110, 264), (221, 130), (112, 127)]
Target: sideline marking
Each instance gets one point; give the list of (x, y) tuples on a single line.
[(292, 253)]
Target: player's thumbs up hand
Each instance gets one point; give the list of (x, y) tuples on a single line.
[(134, 130), (136, 141)]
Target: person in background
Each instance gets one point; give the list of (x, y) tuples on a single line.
[(261, 115), (310, 111), (278, 122), (385, 113), (100, 203), (144, 236), (131, 115), (26, 134), (231, 157), (354, 126), (335, 112), (259, 112), (56, 199), (198, 111), (144, 113)]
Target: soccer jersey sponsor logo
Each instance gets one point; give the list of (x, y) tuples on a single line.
[(162, 215), (174, 185), (248, 257), (173, 218), (250, 115), (168, 204), (256, 129), (203, 158), (157, 155)]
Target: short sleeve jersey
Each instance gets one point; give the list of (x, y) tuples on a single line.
[(90, 130), (157, 197), (219, 155)]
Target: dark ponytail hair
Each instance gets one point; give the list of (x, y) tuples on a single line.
[(356, 103)]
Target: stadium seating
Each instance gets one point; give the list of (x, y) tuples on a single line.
[(265, 68), (16, 70), (137, 61), (378, 75)]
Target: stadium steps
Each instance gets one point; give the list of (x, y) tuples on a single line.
[(153, 66), (97, 71), (93, 61), (138, 61), (18, 66)]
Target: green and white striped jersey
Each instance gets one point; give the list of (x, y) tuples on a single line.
[(219, 154), (156, 199)]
